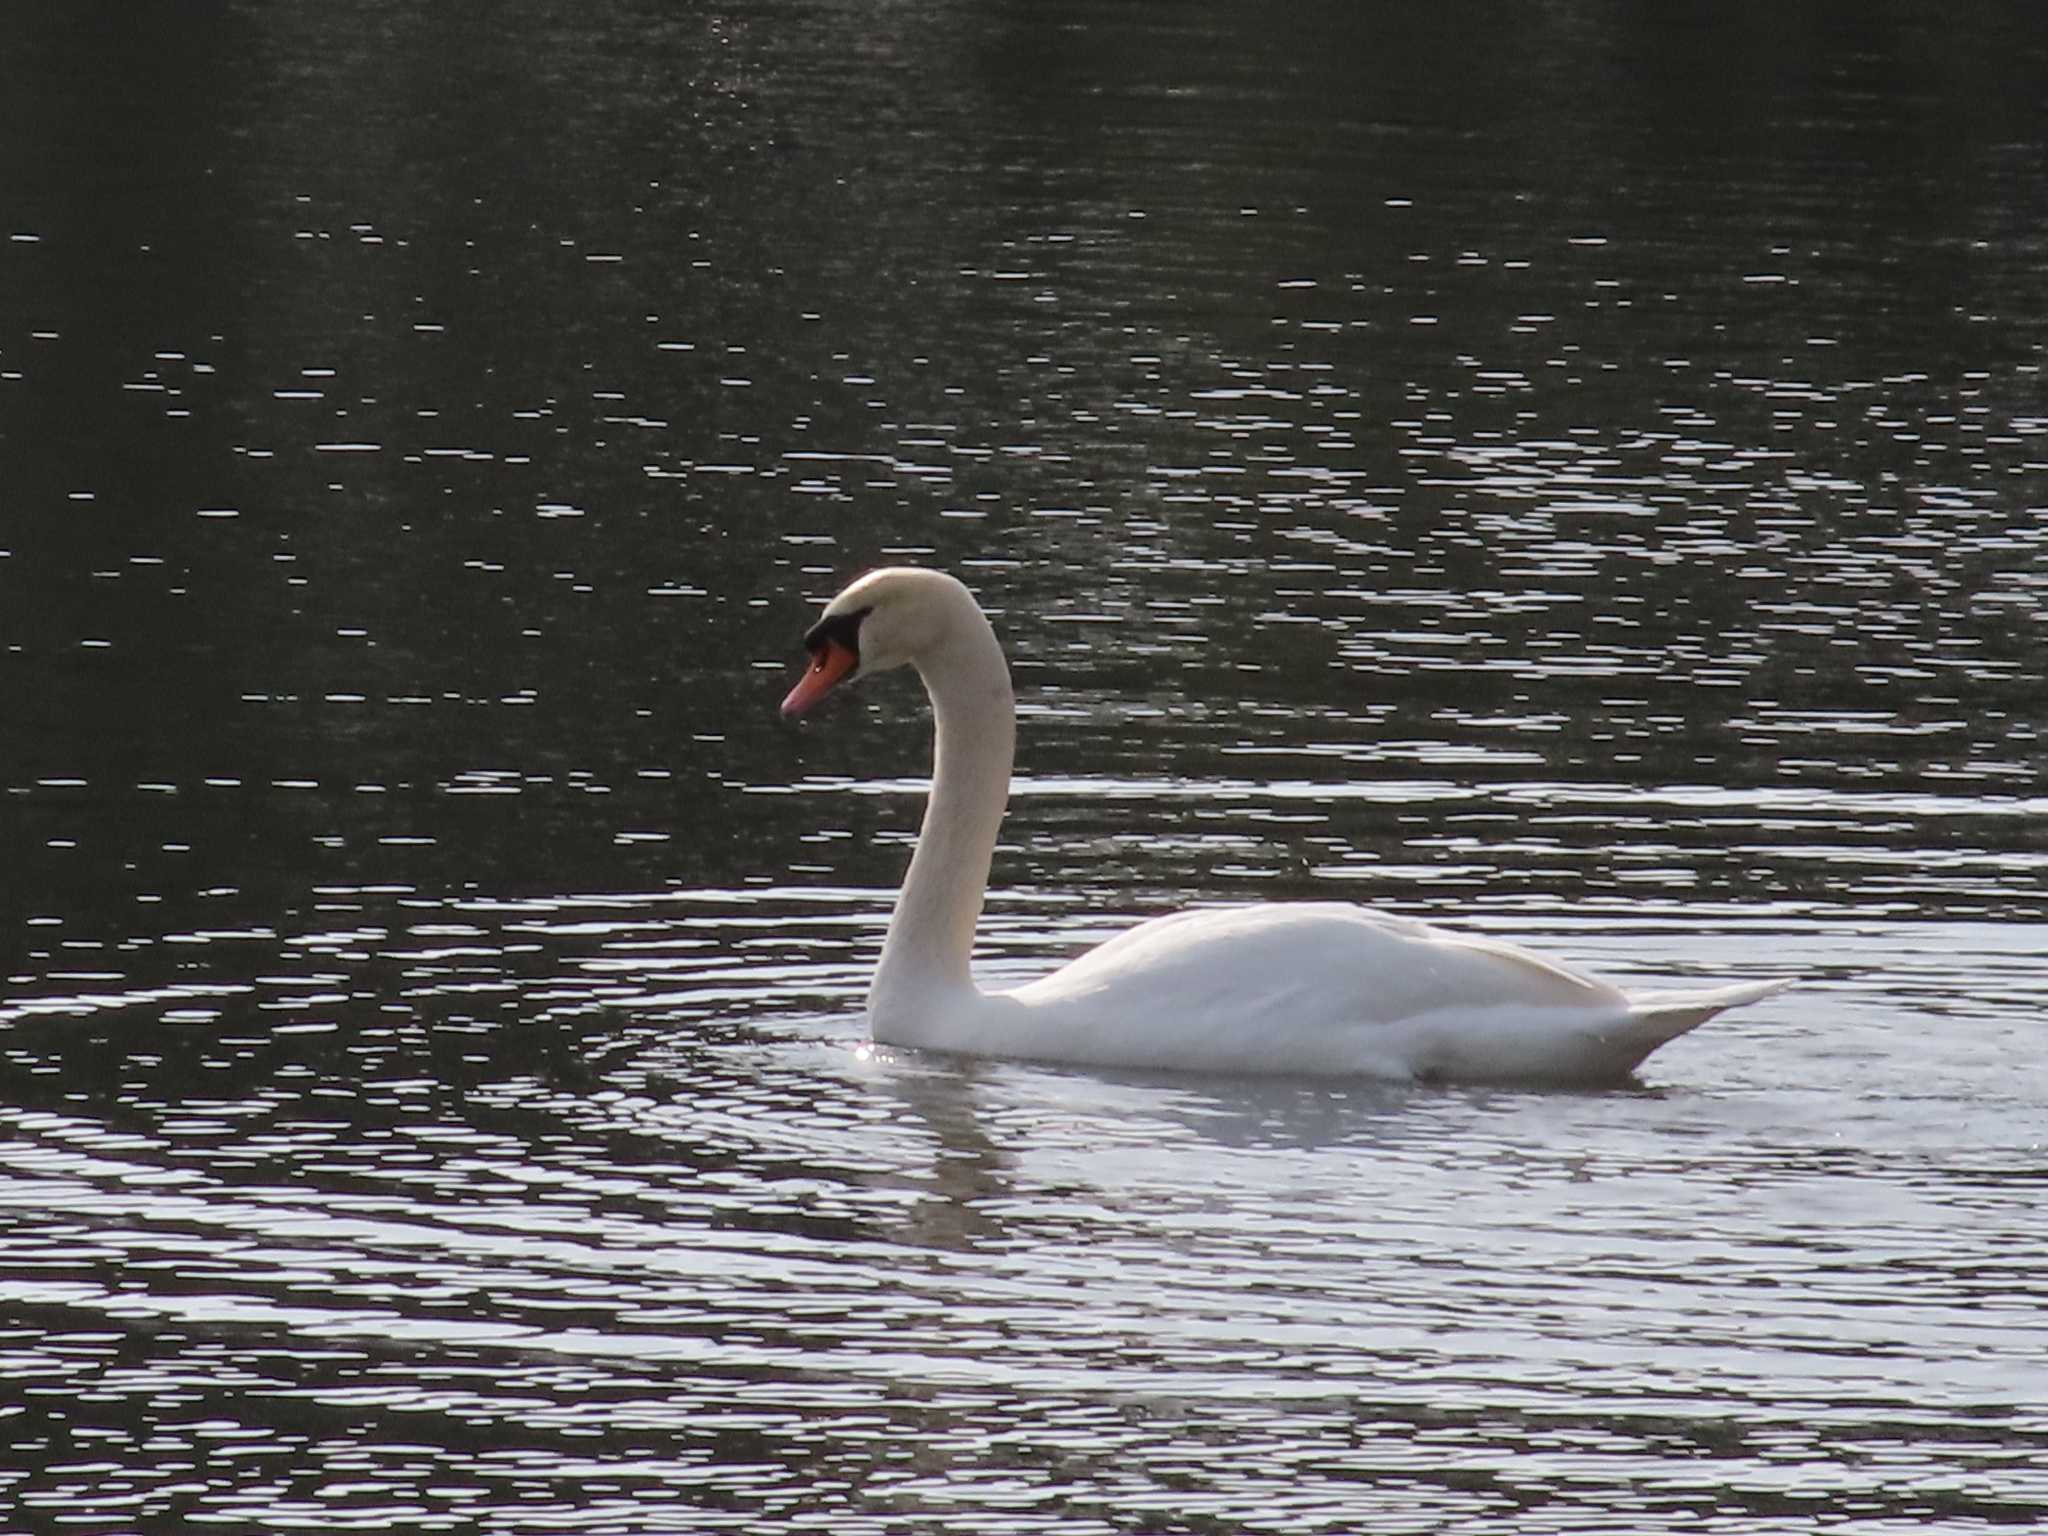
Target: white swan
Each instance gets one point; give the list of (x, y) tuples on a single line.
[(1314, 988)]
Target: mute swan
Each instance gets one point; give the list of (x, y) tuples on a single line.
[(1311, 988)]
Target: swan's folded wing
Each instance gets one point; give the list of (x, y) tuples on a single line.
[(1308, 963)]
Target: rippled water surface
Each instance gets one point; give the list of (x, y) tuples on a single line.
[(1571, 474)]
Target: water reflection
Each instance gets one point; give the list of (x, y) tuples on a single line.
[(860, 1263)]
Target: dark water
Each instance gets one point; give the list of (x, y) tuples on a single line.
[(1572, 471)]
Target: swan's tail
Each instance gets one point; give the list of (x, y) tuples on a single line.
[(1578, 1048), (1655, 1017)]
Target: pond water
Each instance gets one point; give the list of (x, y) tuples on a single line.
[(1571, 473)]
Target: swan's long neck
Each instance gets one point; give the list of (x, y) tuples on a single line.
[(931, 935)]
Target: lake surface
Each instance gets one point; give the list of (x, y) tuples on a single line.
[(1568, 473)]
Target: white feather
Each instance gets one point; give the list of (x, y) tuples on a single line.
[(1312, 988)]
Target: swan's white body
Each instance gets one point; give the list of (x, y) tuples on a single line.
[(1314, 988)]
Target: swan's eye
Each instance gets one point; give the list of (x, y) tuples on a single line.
[(840, 629)]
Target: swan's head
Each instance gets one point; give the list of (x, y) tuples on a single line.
[(893, 617)]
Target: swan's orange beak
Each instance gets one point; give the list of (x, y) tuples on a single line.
[(830, 663)]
